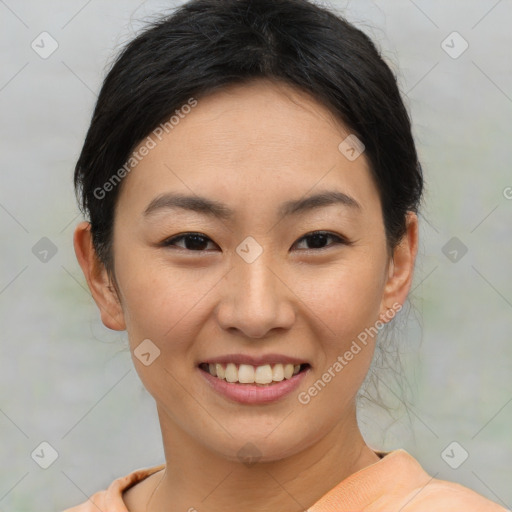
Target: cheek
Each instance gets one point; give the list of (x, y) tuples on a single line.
[(347, 303), (152, 299), (161, 302), (163, 305), (345, 297)]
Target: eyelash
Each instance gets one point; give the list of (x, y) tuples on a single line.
[(339, 240)]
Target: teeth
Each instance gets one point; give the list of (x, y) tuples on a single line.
[(277, 373), (263, 374), (246, 373), (249, 374), (231, 373), (220, 372)]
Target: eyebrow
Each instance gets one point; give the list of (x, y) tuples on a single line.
[(216, 209)]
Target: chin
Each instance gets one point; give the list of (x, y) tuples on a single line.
[(265, 444)]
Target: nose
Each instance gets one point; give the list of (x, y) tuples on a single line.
[(255, 299)]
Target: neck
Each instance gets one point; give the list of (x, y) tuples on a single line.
[(198, 479)]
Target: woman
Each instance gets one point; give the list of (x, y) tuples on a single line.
[(253, 187)]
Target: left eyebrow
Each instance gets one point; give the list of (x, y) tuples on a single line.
[(219, 210)]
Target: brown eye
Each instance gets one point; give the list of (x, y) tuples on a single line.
[(317, 239), (192, 241)]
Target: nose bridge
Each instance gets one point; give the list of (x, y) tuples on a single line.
[(255, 299), (255, 284)]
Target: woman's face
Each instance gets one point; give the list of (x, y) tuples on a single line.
[(255, 282)]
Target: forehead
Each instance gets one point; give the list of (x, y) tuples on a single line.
[(252, 143)]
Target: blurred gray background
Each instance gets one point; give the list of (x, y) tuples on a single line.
[(67, 380)]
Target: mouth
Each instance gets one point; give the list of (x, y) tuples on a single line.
[(264, 375)]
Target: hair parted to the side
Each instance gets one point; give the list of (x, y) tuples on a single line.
[(205, 45)]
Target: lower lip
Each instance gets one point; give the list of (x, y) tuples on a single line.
[(252, 393)]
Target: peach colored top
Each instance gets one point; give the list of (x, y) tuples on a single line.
[(397, 482)]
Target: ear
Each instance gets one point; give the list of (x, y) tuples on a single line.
[(401, 270), (102, 289)]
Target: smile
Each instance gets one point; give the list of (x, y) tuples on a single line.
[(264, 375)]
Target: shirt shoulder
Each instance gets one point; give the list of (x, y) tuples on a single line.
[(445, 496), (398, 482), (414, 490), (111, 499)]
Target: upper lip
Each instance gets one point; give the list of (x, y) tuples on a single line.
[(254, 360)]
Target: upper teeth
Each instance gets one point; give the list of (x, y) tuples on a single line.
[(248, 374)]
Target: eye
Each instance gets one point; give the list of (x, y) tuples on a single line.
[(317, 239), (198, 242), (193, 241)]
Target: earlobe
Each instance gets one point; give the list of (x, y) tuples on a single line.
[(97, 278), (401, 268)]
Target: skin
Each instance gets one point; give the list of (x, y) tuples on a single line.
[(252, 147)]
